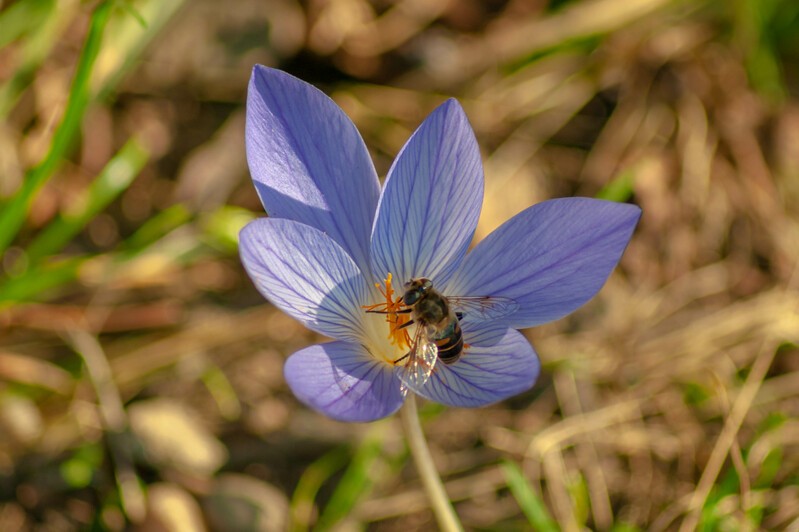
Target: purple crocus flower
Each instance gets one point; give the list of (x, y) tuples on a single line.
[(333, 237)]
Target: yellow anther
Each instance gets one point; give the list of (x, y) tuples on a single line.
[(398, 336)]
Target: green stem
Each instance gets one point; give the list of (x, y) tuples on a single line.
[(445, 513)]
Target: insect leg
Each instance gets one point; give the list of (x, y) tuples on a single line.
[(410, 322)]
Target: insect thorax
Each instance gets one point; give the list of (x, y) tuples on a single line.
[(431, 309)]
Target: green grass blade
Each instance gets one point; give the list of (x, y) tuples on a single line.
[(21, 18), (36, 46), (13, 214), (619, 189), (311, 481), (222, 391), (529, 501), (155, 228), (221, 228), (115, 178), (755, 25), (46, 277), (36, 281), (127, 37), (357, 481), (624, 527)]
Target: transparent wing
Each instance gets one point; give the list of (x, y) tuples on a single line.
[(483, 307), (420, 362)]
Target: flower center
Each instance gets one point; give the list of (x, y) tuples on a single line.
[(396, 313)]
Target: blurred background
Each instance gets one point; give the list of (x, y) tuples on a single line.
[(141, 381)]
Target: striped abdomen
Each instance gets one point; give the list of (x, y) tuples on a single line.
[(449, 342)]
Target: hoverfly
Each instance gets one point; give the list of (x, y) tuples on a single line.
[(438, 333)]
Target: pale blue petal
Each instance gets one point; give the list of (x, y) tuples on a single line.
[(306, 274), (551, 258), (342, 381), (497, 364), (431, 201), (308, 161)]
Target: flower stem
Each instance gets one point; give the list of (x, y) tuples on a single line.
[(445, 513)]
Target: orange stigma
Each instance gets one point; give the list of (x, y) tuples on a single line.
[(399, 337)]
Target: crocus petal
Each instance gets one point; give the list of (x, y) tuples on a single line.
[(306, 274), (308, 161), (431, 201), (551, 258), (497, 364), (340, 380)]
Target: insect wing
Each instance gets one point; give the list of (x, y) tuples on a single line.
[(421, 361), (483, 307)]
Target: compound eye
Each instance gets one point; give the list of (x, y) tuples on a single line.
[(427, 285), (410, 297)]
